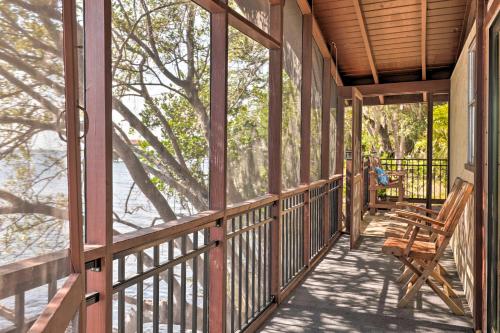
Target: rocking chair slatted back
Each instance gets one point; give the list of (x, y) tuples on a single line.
[(451, 199), (454, 214)]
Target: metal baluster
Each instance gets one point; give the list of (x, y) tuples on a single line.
[(52, 289), (140, 294), (233, 304), (247, 257), (121, 296), (170, 290), (269, 259), (206, 234), (19, 312), (240, 282), (253, 261), (259, 268), (156, 291), (302, 231), (282, 252), (292, 235), (194, 319), (266, 269), (288, 254), (183, 286)]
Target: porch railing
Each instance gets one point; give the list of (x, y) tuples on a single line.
[(161, 274), (415, 180)]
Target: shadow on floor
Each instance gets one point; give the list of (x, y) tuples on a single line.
[(356, 291)]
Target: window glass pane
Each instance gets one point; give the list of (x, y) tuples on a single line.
[(161, 82), (32, 155), (34, 227), (292, 79), (256, 11), (333, 126), (248, 110), (471, 100), (316, 100)]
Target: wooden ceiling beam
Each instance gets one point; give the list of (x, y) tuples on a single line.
[(468, 20), (423, 41), (366, 41), (423, 38), (400, 88)]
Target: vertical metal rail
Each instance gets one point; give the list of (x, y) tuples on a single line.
[(140, 294), (194, 291), (183, 287), (156, 291), (170, 290), (19, 311), (121, 296)]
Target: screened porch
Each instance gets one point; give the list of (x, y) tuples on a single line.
[(202, 165)]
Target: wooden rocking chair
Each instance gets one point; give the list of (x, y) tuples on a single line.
[(396, 181), (422, 257)]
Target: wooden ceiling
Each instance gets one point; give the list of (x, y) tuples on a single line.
[(381, 41)]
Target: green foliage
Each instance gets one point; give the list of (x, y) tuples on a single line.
[(400, 131)]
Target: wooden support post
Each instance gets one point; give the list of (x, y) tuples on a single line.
[(99, 158), (479, 307), (218, 166), (74, 157), (325, 142), (275, 120), (305, 127), (339, 161), (430, 121)]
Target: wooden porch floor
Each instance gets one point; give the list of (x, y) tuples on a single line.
[(356, 291)]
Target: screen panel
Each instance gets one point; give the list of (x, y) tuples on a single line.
[(292, 85)]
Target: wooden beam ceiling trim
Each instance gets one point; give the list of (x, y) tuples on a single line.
[(400, 88), (324, 49), (320, 41), (423, 39), (248, 28), (366, 41), (467, 18)]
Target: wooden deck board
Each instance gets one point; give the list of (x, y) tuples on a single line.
[(356, 291)]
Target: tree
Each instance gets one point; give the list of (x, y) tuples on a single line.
[(161, 112), (394, 130)]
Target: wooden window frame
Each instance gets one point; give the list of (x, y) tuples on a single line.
[(69, 300), (471, 104)]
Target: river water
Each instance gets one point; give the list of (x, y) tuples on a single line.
[(22, 238)]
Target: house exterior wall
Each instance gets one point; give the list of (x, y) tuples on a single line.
[(462, 242)]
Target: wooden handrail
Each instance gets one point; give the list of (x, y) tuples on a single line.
[(317, 183), (141, 239), (57, 316), (335, 177), (34, 272), (24, 275), (293, 191), (238, 208)]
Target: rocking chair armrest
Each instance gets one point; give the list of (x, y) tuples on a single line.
[(398, 173), (416, 216), (422, 226), (404, 204)]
